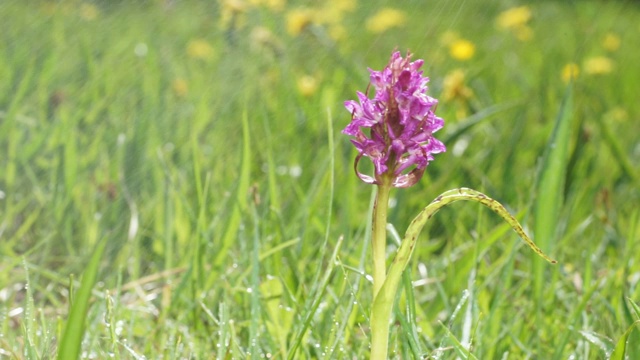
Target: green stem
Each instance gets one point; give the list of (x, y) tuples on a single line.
[(380, 334), (379, 237), (379, 324)]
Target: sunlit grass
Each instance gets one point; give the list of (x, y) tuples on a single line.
[(192, 139)]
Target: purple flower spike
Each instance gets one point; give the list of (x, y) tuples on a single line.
[(401, 122)]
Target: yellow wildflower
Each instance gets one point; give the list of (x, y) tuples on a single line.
[(200, 49), (337, 32), (523, 33), (263, 38), (462, 49), (454, 86), (598, 65), (236, 6), (276, 5), (514, 17), (570, 72), (231, 11), (385, 19), (298, 20), (333, 10), (88, 11), (307, 85), (346, 5), (617, 114), (179, 87), (611, 42)]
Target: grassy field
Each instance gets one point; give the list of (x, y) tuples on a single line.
[(199, 143)]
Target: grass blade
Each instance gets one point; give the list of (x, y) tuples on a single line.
[(617, 149), (550, 185), (635, 307), (462, 352), (621, 347), (241, 194), (315, 303), (458, 129), (332, 260), (71, 340)]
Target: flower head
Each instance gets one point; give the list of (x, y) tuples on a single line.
[(200, 49), (570, 72), (385, 19), (514, 17), (401, 122), (462, 49), (598, 65), (298, 20), (611, 42)]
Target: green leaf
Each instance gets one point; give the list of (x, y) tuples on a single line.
[(69, 347), (462, 352), (312, 306), (383, 302), (241, 194), (456, 130), (635, 307), (621, 347), (320, 285), (550, 185), (620, 155)]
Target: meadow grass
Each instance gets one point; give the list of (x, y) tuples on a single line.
[(200, 144)]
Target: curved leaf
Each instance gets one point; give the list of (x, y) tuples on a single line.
[(621, 346), (384, 300)]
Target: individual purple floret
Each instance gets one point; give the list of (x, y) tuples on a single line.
[(401, 120)]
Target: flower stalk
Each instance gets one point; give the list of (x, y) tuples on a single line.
[(379, 323), (379, 236)]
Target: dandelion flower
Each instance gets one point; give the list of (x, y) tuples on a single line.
[(263, 39), (275, 5), (200, 49), (399, 121), (516, 20), (454, 87), (298, 20), (599, 65), (570, 72), (617, 114), (333, 11), (462, 49), (523, 33), (307, 85), (385, 19), (230, 12), (611, 42), (514, 17), (180, 87), (337, 32), (343, 5)]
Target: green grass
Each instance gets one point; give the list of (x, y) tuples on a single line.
[(233, 224)]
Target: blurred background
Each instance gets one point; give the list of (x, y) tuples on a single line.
[(182, 131)]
